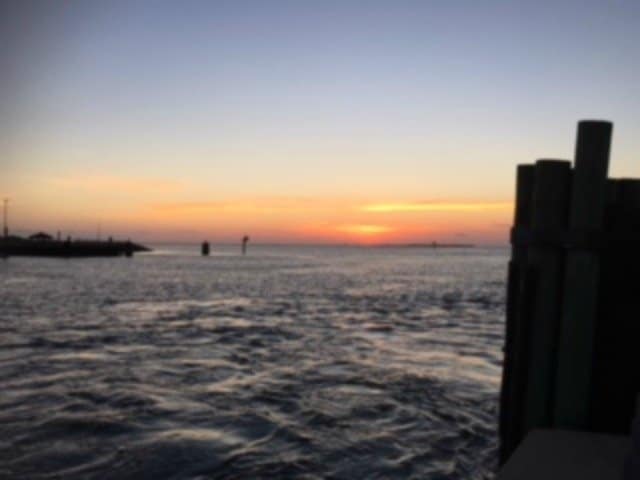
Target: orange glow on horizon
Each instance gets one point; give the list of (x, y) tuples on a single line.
[(436, 207), (160, 210)]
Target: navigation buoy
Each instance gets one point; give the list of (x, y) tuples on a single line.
[(245, 240)]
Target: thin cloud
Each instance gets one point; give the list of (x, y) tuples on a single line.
[(251, 205), (435, 207), (117, 184)]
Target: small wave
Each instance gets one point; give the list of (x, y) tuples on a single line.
[(295, 364)]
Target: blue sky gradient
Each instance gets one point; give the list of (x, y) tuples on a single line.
[(397, 100)]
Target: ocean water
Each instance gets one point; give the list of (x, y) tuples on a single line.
[(291, 362)]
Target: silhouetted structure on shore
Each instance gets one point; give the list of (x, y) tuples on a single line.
[(205, 248), (572, 347), (40, 236)]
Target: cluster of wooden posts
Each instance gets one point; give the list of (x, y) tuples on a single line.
[(572, 350)]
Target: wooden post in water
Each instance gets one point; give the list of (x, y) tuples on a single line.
[(514, 365), (616, 378), (551, 197), (576, 343)]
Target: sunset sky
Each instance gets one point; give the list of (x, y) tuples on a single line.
[(301, 121)]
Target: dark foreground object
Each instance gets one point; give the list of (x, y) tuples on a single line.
[(571, 349), (563, 455), (17, 246)]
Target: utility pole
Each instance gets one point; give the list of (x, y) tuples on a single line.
[(5, 212)]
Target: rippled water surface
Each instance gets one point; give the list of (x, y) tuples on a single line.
[(292, 362)]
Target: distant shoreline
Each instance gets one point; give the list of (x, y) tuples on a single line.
[(425, 245), (354, 245)]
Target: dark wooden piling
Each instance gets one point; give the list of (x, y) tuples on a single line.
[(514, 366), (546, 257), (576, 342), (572, 329), (526, 300), (616, 379), (628, 194)]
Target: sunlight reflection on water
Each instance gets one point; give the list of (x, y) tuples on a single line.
[(297, 362)]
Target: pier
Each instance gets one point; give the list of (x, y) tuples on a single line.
[(47, 247)]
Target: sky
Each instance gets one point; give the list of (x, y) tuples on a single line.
[(301, 121)]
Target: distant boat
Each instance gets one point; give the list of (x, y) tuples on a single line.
[(44, 245)]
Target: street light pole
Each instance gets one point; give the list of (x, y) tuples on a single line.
[(6, 216)]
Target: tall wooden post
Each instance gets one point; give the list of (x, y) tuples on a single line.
[(576, 343), (514, 364), (549, 219)]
